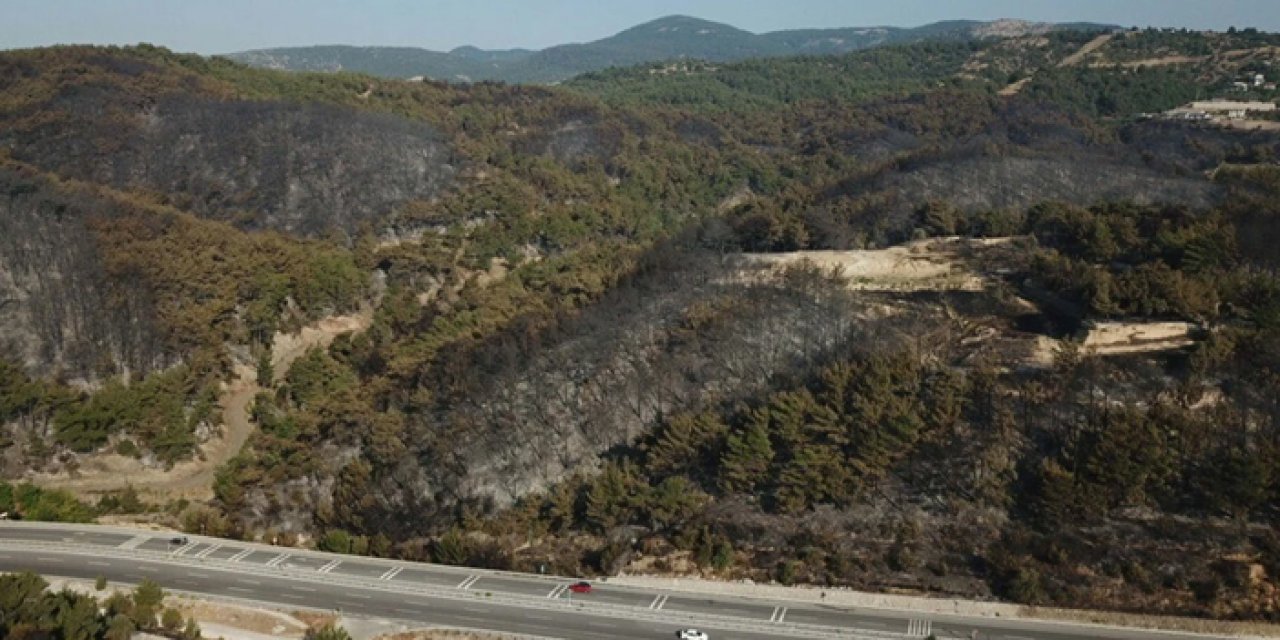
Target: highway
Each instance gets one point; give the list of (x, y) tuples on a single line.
[(461, 597)]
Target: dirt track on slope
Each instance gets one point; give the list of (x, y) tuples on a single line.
[(1070, 61), (1088, 48), (193, 479)]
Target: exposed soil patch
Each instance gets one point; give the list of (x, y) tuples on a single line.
[(925, 265), (1088, 48), (1120, 338), (193, 479)]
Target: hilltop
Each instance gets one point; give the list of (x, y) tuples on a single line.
[(672, 37)]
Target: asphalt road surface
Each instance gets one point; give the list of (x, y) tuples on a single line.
[(471, 598)]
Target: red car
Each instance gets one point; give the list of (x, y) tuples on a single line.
[(580, 587)]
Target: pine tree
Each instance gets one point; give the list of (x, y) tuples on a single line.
[(747, 456), (610, 500)]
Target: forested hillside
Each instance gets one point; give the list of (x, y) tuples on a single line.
[(668, 38), (840, 320)]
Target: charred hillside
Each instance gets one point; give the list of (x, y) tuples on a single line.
[(873, 320), (303, 168), (64, 314)]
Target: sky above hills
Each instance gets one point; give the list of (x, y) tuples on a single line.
[(233, 25)]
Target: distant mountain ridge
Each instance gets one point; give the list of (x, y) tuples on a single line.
[(662, 39)]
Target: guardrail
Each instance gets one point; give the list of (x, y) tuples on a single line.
[(447, 593)]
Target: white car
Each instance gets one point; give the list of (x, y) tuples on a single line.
[(692, 634)]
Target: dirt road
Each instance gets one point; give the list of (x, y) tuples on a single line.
[(193, 479), (1088, 48)]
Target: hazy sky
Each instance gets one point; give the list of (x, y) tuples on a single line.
[(220, 26)]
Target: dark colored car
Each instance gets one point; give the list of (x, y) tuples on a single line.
[(178, 540), (580, 587)]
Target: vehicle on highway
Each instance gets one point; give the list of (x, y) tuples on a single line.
[(692, 634), (178, 540), (580, 586)]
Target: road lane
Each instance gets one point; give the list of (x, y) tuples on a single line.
[(482, 613), (410, 576)]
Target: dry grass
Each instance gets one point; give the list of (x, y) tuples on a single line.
[(316, 619), (260, 621)]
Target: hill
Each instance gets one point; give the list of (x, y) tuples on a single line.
[(669, 38), (864, 320)]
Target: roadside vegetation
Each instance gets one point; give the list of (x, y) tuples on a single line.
[(28, 609)]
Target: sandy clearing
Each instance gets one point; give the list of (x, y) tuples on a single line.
[(1119, 338), (193, 479), (286, 348), (924, 265), (1111, 338)]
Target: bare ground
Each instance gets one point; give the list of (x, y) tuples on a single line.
[(193, 479), (1088, 48), (1015, 88), (925, 265), (1117, 338), (1163, 61)]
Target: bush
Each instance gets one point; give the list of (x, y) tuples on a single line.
[(171, 620)]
